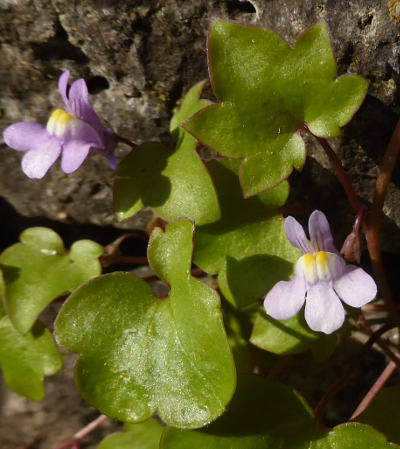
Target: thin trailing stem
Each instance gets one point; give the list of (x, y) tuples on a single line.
[(113, 247), (340, 172), (374, 223), (375, 389), (74, 442), (125, 141), (345, 378), (383, 344)]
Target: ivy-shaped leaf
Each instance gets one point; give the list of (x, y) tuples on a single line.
[(291, 336), (262, 415), (247, 248), (175, 185), (384, 413), (140, 354), (136, 436), (39, 269), (26, 359), (267, 92)]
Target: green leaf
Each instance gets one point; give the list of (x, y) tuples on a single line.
[(291, 336), (267, 91), (26, 359), (262, 415), (39, 269), (247, 248), (269, 415), (140, 354), (175, 185), (384, 413), (351, 436), (137, 436)]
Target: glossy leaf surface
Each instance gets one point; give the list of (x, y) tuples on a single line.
[(175, 185), (262, 415), (39, 269), (352, 436), (384, 414), (140, 354), (136, 436), (247, 248), (26, 359), (269, 415), (267, 91)]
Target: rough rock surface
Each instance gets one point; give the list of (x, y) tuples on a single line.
[(139, 57)]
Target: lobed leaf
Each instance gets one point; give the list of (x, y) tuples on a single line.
[(39, 269), (140, 354), (267, 92), (247, 248), (175, 185), (26, 359), (136, 436)]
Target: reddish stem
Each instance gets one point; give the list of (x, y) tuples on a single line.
[(125, 140), (112, 247), (375, 389), (374, 222), (383, 344), (345, 378), (340, 172), (74, 442)]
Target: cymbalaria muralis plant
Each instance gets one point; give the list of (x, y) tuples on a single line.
[(193, 369)]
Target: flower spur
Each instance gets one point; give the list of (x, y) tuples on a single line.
[(322, 279), (71, 134)]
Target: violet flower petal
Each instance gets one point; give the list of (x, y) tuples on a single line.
[(324, 311), (355, 287), (296, 235), (81, 131), (25, 136), (286, 298), (63, 85), (73, 155), (79, 104), (320, 233), (36, 163)]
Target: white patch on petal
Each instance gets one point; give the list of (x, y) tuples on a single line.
[(323, 312)]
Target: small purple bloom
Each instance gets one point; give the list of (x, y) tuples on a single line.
[(322, 279), (70, 134)]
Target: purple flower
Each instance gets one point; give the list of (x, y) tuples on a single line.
[(71, 134), (322, 279)]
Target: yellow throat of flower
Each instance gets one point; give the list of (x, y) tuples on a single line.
[(58, 122), (316, 266)]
